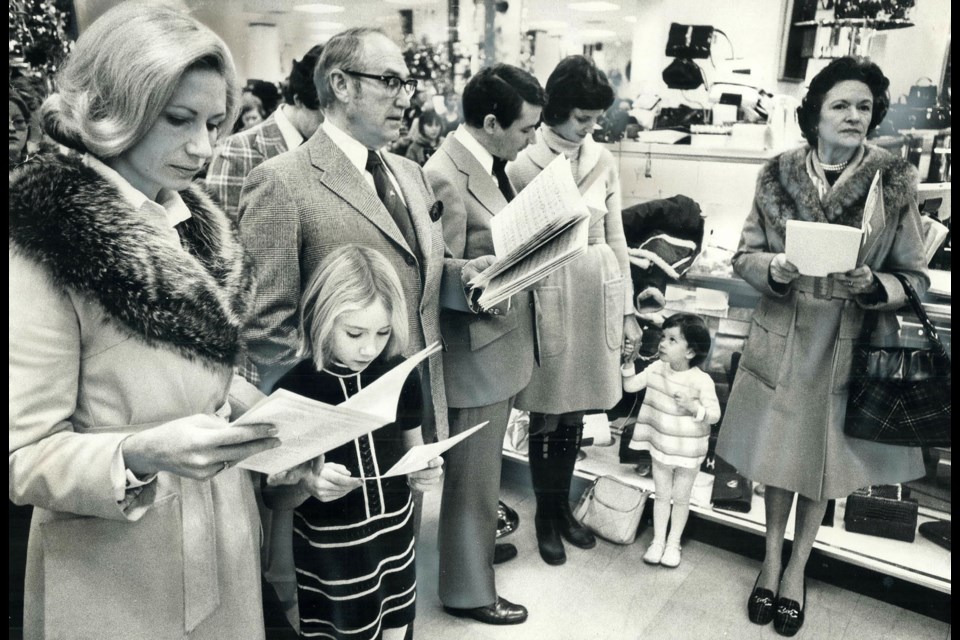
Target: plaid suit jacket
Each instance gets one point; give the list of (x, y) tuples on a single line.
[(235, 158), (299, 206)]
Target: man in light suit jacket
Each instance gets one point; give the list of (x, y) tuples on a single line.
[(489, 356), (285, 129), (298, 207)]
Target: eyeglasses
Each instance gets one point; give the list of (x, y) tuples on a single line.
[(393, 83), (18, 123)]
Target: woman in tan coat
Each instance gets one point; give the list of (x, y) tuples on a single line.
[(784, 421), (584, 317), (123, 333)]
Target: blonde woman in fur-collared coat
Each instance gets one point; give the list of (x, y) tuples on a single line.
[(123, 333), (784, 420)]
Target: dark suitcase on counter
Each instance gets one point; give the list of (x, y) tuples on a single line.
[(886, 511)]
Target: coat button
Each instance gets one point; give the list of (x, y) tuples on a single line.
[(409, 260)]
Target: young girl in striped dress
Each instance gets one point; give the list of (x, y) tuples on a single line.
[(674, 425), (353, 541)]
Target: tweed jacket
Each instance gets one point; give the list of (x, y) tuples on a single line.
[(114, 330), (298, 207), (237, 155), (488, 358)]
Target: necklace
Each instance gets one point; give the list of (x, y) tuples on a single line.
[(834, 168)]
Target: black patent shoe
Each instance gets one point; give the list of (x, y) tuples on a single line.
[(503, 552), (507, 520), (548, 541), (760, 604), (500, 612), (788, 617), (574, 532)]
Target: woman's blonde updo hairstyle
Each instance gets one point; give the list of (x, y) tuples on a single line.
[(123, 71)]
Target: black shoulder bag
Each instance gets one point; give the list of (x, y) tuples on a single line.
[(900, 395)]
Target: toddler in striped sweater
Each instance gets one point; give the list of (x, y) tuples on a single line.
[(674, 425)]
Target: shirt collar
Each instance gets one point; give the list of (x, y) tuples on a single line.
[(291, 137), (355, 151), (169, 203), (484, 157)]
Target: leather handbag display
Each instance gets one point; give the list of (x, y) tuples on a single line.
[(886, 511), (731, 491), (900, 395), (612, 509)]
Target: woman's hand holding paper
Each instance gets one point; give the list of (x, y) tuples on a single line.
[(295, 474), (782, 270), (329, 481), (858, 281)]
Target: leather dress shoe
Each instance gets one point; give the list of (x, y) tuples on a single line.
[(788, 617), (500, 612), (507, 520), (503, 552)]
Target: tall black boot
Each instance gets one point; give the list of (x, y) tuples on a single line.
[(563, 458), (546, 520)]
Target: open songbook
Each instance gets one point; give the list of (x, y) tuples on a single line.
[(820, 248), (308, 428), (541, 230)]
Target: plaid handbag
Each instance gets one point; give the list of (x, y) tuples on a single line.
[(900, 395)]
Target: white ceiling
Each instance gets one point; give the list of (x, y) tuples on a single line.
[(555, 17)]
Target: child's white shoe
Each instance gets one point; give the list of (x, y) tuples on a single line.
[(654, 553), (671, 556)]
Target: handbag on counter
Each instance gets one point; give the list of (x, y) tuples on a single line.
[(612, 509), (886, 511), (900, 395), (731, 491)]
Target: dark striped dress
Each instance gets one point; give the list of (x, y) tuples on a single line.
[(354, 556)]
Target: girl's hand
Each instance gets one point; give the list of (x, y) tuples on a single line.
[(631, 339), (686, 402), (782, 271), (857, 281), (198, 447), (329, 482), (427, 479), (296, 474)]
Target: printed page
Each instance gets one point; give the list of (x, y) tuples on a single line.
[(565, 248), (818, 248), (420, 456), (381, 397), (552, 194), (307, 428)]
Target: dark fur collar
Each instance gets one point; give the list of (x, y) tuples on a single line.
[(71, 220), (785, 191)]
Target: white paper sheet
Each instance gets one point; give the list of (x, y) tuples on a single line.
[(819, 248), (308, 428), (420, 456), (874, 218)]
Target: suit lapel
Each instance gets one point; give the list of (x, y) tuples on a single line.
[(416, 205), (480, 184), (344, 180)]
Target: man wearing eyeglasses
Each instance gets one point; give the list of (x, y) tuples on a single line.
[(339, 188)]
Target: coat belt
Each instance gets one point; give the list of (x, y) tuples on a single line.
[(825, 288)]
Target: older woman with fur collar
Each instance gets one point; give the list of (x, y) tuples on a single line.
[(123, 332), (784, 420)]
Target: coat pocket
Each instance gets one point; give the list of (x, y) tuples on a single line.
[(116, 575), (551, 324), (765, 345), (613, 311)]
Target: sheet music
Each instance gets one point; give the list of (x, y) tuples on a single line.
[(551, 194), (819, 248), (308, 428)]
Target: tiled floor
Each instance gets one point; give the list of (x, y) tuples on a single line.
[(609, 594)]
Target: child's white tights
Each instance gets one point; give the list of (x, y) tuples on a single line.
[(676, 484)]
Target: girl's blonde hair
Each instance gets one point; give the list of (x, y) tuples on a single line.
[(123, 71), (349, 279)]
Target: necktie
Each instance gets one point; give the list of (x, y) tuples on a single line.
[(499, 172), (390, 199)]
